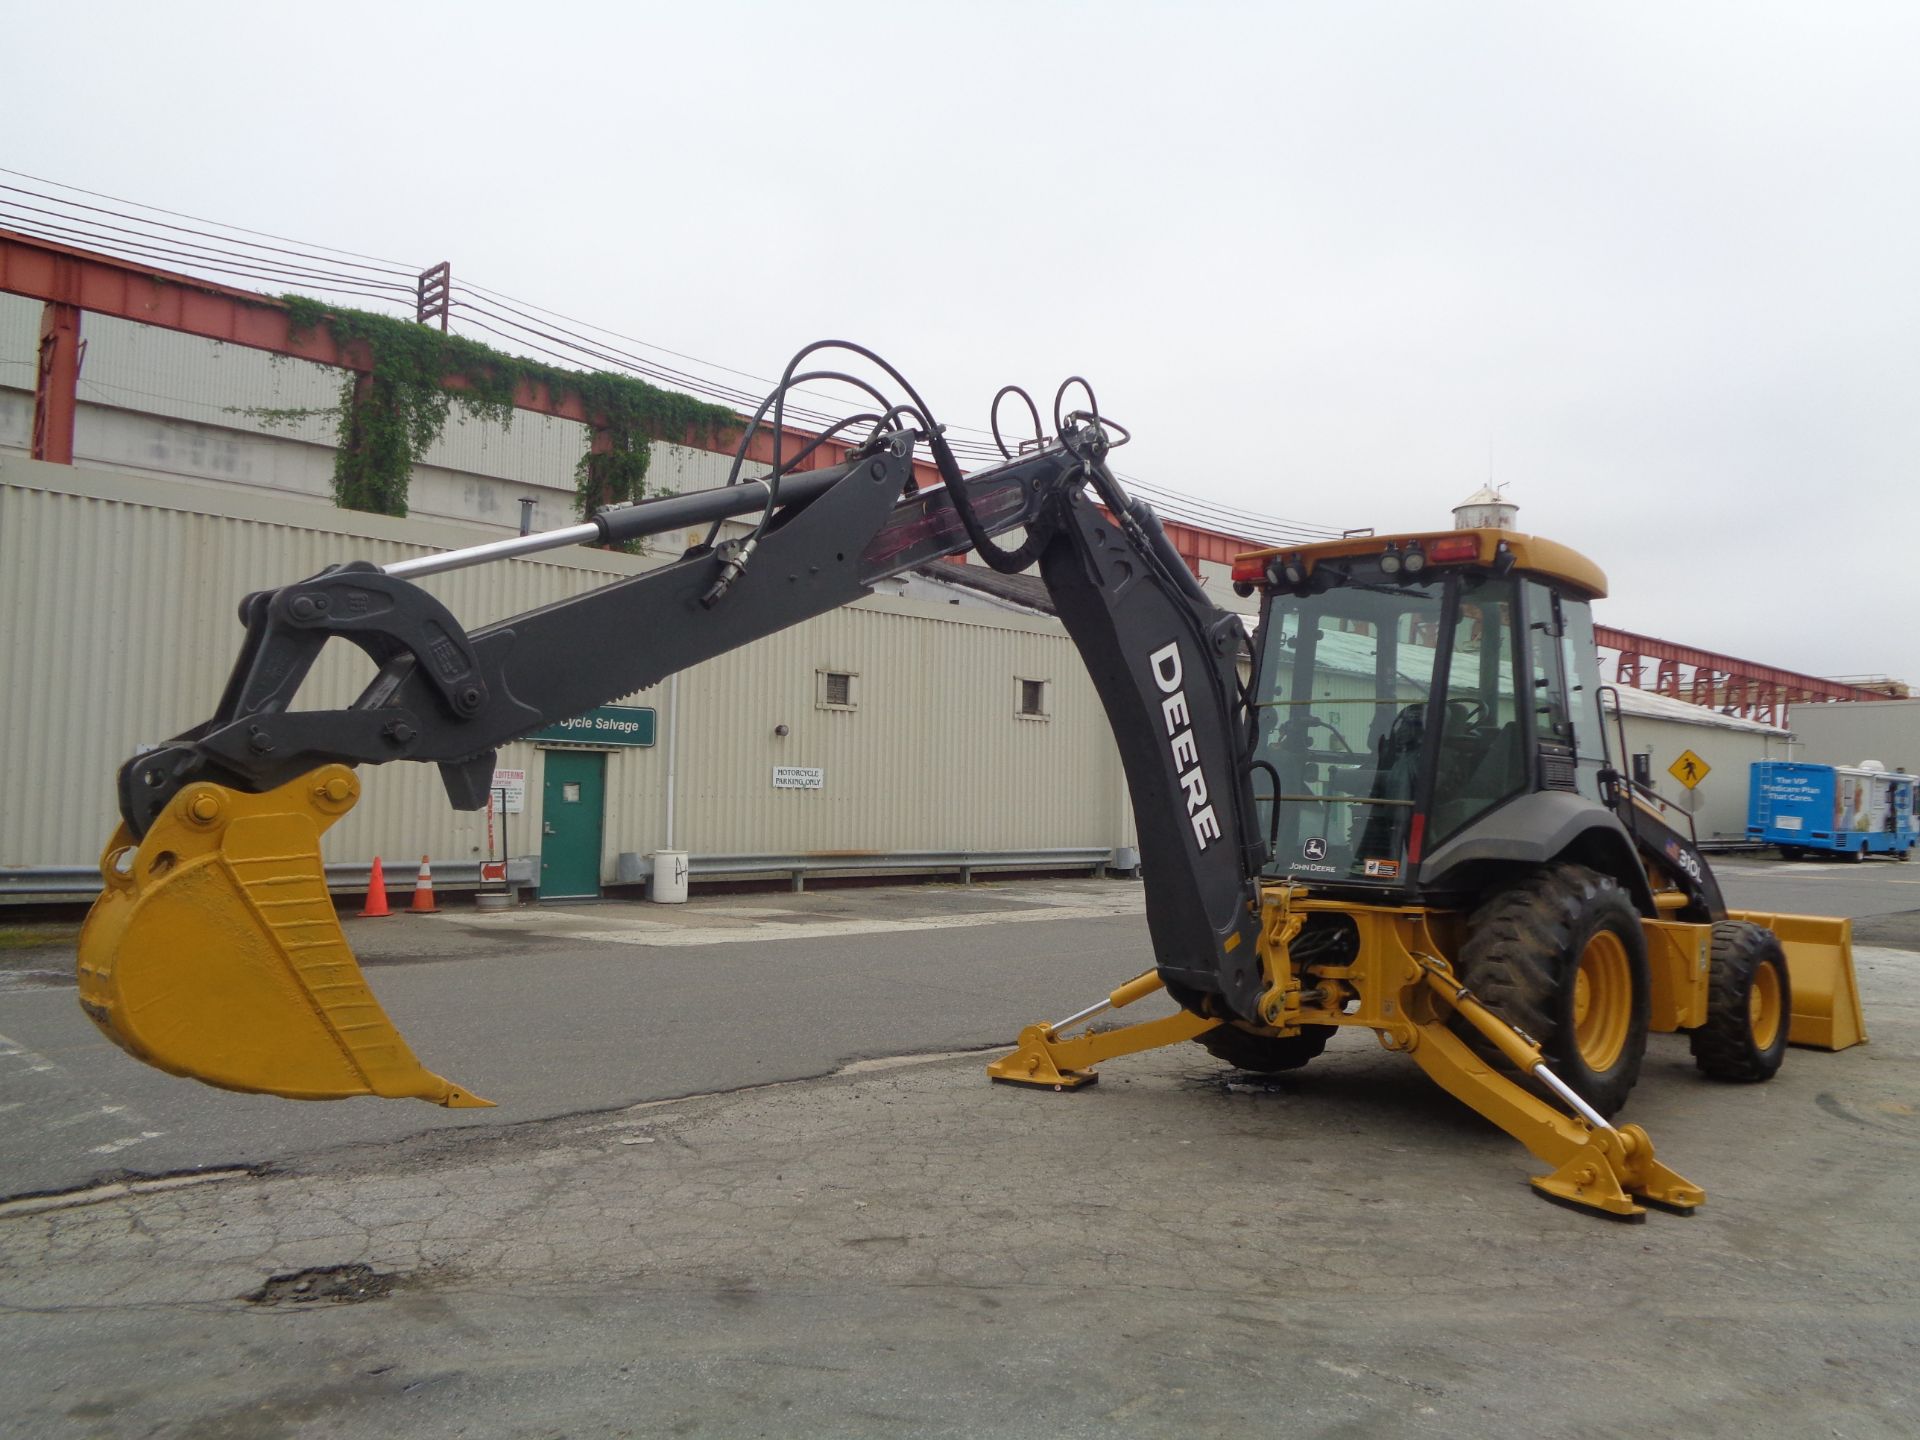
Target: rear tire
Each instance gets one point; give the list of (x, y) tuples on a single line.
[(1265, 1054), (1561, 954), (1749, 1005), (1791, 852)]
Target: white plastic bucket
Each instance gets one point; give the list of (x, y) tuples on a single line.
[(669, 885)]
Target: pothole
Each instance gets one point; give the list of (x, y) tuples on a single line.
[(333, 1284)]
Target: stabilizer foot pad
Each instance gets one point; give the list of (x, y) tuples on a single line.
[(1635, 1216), (1066, 1080)]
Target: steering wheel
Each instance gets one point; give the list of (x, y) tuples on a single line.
[(1467, 714), (1301, 724)]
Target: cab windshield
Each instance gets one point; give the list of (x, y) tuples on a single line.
[(1346, 684)]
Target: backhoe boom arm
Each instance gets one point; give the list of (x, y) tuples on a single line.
[(450, 697)]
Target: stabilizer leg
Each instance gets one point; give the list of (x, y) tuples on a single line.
[(1046, 1062), (1599, 1168)]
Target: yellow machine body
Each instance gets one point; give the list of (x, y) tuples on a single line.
[(1401, 985), (214, 952)]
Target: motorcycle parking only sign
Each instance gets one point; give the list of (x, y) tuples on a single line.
[(797, 777)]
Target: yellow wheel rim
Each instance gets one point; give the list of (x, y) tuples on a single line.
[(1763, 1006), (1602, 1001)]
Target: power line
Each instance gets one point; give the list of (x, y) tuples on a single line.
[(186, 249), (201, 219), (127, 249), (163, 250), (545, 331)]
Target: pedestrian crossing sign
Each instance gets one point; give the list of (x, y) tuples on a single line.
[(1689, 769)]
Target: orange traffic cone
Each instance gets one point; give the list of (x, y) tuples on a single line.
[(423, 890), (377, 891)]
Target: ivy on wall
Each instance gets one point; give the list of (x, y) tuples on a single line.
[(389, 415)]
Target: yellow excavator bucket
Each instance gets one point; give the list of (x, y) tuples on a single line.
[(1826, 997), (214, 952)]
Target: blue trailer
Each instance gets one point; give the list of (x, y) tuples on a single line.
[(1850, 810)]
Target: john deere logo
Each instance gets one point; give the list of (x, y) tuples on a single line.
[(1315, 849)]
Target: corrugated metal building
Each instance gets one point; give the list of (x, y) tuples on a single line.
[(120, 593)]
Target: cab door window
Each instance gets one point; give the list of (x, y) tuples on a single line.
[(1582, 664), (1481, 758), (1552, 715)]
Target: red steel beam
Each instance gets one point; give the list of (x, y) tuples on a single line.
[(56, 384), (86, 280), (1712, 664)]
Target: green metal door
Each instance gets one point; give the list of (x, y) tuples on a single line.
[(574, 796)]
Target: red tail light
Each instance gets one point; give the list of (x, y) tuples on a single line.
[(1453, 548), (1250, 569)]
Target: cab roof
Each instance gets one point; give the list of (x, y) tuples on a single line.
[(1530, 554)]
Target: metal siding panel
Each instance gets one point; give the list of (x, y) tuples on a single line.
[(933, 757), (122, 628)]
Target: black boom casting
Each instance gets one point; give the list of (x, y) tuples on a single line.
[(1162, 656)]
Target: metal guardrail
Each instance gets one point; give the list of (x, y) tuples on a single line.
[(82, 882), (798, 865)]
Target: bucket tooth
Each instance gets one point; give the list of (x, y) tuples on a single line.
[(214, 952)]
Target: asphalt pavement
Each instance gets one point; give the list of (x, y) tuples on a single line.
[(896, 1248), (560, 1009)]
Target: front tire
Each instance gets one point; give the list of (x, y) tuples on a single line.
[(1561, 954), (1749, 1005)]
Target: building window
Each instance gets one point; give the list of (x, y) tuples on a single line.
[(835, 690), (1033, 699)]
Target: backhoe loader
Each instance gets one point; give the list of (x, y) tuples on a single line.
[(1396, 807)]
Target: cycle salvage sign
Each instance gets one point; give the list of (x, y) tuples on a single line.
[(796, 777), (602, 725)]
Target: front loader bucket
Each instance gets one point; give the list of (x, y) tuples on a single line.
[(214, 952), (1826, 998)]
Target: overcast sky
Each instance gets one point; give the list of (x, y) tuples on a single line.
[(1653, 267)]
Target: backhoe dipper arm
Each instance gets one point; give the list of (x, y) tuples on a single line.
[(1164, 659)]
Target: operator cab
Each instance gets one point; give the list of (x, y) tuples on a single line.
[(1407, 686)]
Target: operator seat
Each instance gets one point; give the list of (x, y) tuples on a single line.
[(1497, 770), (1398, 762)]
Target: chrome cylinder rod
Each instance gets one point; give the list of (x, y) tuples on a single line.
[(492, 550), (629, 522), (1567, 1093), (1074, 1019)]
